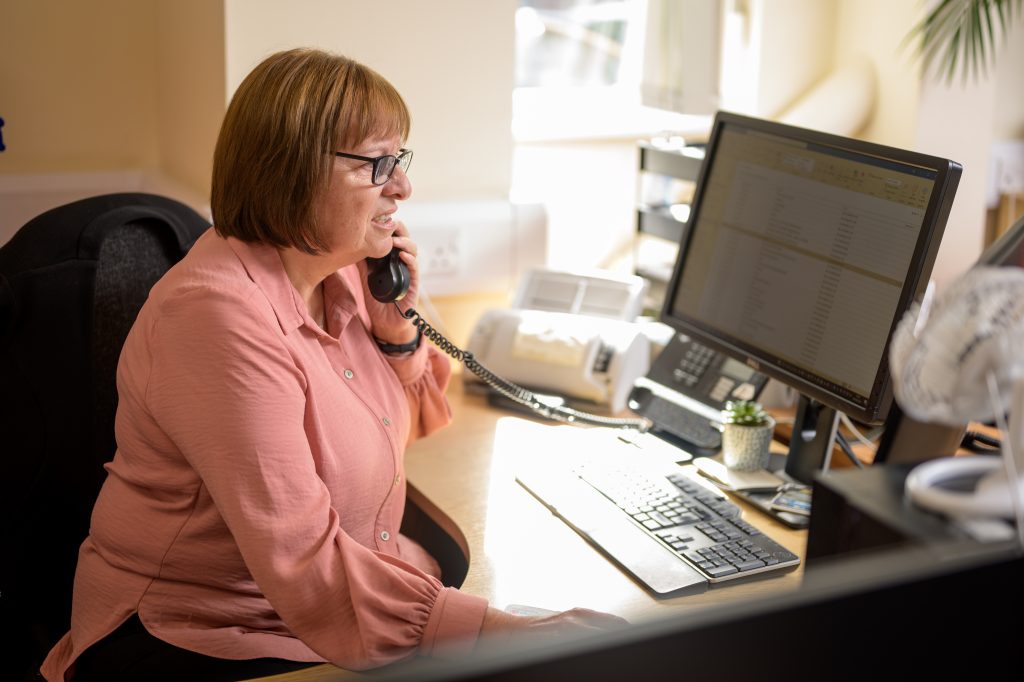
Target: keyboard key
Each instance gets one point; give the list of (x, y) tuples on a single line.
[(719, 571), (749, 565)]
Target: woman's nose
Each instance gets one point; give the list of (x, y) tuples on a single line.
[(398, 185)]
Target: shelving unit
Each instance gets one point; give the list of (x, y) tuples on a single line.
[(667, 179)]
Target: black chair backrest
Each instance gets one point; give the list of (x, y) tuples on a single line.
[(72, 281)]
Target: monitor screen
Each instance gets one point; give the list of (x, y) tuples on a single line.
[(803, 251)]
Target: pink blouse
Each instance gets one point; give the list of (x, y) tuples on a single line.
[(254, 503)]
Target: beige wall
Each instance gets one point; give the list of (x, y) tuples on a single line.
[(452, 60), (798, 39), (191, 92), (116, 85), (962, 121), (76, 85), (1008, 117), (875, 29), (112, 85)]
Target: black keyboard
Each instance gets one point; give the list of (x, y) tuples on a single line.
[(700, 526), (674, 535)]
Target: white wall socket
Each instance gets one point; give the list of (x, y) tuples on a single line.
[(475, 245)]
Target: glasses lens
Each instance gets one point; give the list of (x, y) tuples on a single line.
[(383, 170), (405, 159)]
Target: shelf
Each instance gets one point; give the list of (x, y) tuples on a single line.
[(683, 163), (667, 179), (659, 221)]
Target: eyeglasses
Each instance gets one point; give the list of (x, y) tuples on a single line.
[(383, 166)]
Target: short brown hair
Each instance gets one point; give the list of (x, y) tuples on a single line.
[(276, 145)]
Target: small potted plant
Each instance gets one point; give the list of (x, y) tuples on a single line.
[(746, 435)]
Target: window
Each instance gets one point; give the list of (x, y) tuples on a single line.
[(581, 66), (576, 43)]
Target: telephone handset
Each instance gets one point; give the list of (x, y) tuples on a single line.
[(388, 277), (388, 280)]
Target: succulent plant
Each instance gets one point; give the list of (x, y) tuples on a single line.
[(744, 413)]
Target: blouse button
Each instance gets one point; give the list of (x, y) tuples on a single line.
[(398, 478), (349, 374), (387, 422), (385, 536)]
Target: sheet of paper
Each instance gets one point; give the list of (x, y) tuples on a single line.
[(736, 480), (524, 610)]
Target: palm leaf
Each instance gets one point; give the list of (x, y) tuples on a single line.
[(960, 35)]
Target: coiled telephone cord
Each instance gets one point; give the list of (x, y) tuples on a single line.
[(514, 391)]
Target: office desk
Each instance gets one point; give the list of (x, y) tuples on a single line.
[(519, 553)]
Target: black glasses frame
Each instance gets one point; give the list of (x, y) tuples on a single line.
[(383, 166)]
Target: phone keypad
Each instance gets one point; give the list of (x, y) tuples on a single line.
[(693, 364)]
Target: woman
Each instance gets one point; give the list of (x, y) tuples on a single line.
[(249, 521)]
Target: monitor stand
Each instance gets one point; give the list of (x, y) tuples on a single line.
[(810, 447)]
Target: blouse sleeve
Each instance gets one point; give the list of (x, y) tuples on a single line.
[(424, 374), (226, 390)]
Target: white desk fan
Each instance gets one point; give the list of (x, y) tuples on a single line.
[(961, 358)]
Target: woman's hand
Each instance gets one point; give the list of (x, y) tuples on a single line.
[(498, 622), (388, 323)]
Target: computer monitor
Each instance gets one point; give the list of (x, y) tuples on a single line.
[(1007, 249), (802, 253), (906, 439)]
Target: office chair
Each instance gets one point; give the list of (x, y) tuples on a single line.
[(72, 281)]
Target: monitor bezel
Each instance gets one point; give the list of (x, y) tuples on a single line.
[(947, 173)]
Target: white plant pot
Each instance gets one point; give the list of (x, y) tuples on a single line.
[(747, 448)]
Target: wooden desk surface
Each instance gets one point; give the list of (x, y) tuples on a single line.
[(519, 552)]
